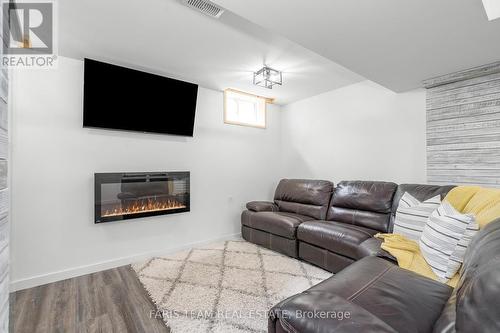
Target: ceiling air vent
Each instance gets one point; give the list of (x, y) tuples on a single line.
[(205, 6)]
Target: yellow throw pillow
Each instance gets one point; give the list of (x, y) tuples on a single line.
[(484, 205)]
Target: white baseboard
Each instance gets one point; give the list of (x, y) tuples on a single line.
[(42, 279)]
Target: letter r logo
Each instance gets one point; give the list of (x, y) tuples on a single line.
[(28, 27)]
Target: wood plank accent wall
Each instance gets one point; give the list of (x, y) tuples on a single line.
[(4, 201), (463, 127)]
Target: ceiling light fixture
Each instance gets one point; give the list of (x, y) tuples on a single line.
[(492, 8), (267, 77)]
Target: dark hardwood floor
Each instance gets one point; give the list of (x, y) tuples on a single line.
[(107, 301)]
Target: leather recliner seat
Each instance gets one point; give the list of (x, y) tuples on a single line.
[(274, 224), (358, 210)]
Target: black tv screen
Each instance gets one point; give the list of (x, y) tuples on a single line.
[(121, 98)]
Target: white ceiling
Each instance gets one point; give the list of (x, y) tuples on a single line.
[(165, 37), (396, 43)]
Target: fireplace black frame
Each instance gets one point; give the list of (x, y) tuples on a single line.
[(106, 178)]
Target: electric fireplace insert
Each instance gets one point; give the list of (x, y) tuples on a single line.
[(123, 196)]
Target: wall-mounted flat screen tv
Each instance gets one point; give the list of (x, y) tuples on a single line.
[(120, 98)]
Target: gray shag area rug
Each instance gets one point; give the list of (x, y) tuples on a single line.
[(227, 286)]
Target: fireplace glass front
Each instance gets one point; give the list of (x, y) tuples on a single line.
[(123, 196)]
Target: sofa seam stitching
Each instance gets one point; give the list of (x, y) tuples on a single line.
[(287, 325), (350, 226), (368, 284)]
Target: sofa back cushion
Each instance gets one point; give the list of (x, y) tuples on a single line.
[(364, 203), (304, 197), (475, 303), (419, 192)]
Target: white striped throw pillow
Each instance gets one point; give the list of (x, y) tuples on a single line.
[(444, 230), (459, 254), (412, 215)]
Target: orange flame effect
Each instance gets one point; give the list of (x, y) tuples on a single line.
[(144, 206)]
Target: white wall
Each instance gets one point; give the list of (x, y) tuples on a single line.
[(54, 159), (362, 131)]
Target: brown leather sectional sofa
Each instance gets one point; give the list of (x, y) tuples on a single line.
[(333, 228)]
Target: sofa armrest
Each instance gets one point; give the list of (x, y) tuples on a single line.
[(262, 206), (372, 247)]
